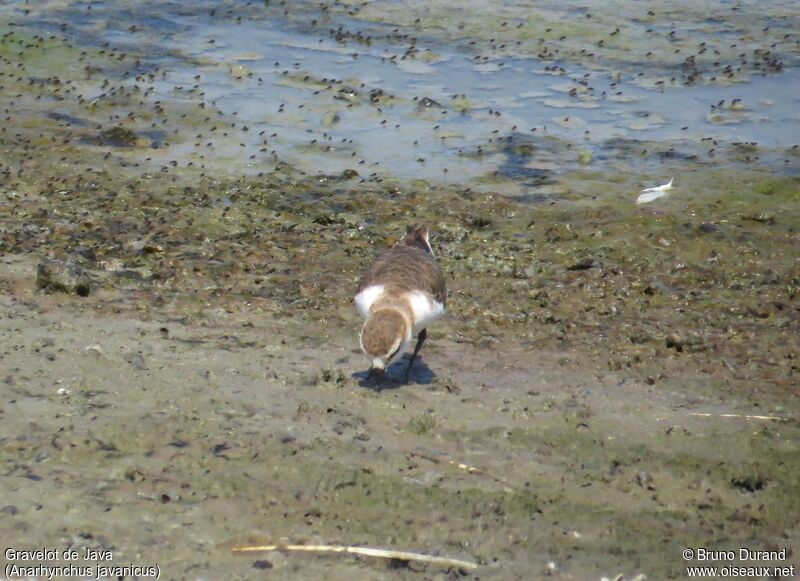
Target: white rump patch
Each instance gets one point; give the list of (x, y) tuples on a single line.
[(367, 297), (426, 309)]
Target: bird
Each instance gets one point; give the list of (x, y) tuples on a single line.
[(399, 295)]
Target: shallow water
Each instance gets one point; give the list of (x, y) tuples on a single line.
[(337, 88)]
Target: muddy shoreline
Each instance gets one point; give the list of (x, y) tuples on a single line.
[(212, 380), (622, 379)]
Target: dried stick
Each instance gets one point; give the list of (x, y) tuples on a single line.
[(364, 551), (776, 418), (461, 466)]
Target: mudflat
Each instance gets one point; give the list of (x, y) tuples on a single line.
[(613, 384)]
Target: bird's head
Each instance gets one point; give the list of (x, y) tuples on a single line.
[(385, 336)]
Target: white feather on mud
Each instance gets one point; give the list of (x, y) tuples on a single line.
[(650, 194)]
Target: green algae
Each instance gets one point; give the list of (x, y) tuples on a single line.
[(787, 188), (421, 424)]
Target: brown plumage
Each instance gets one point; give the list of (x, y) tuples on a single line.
[(399, 295), (407, 266)]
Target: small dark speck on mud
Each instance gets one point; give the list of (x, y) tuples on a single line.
[(262, 564), (583, 264), (397, 564), (220, 448), (707, 228), (749, 483)]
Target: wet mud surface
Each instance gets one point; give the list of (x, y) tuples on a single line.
[(180, 365)]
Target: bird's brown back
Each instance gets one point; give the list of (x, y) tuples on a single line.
[(407, 266)]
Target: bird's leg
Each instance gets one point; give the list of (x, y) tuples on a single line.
[(420, 341)]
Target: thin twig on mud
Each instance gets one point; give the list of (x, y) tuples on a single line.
[(364, 551), (774, 418), (461, 466)]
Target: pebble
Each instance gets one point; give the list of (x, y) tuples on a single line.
[(94, 349), (137, 361), (63, 276)]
